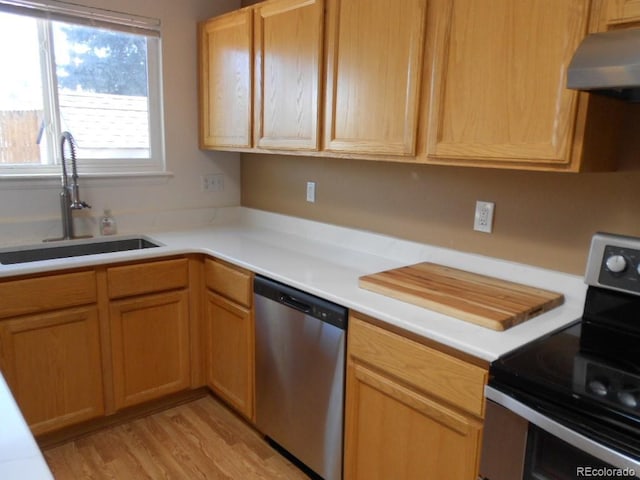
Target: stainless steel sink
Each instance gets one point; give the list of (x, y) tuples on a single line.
[(37, 253)]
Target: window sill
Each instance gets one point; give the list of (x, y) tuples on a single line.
[(51, 180)]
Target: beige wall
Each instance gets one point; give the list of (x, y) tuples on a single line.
[(544, 219)]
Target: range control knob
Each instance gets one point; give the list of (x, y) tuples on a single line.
[(616, 263), (599, 387), (628, 398)]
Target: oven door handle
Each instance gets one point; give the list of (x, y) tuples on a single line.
[(562, 432)]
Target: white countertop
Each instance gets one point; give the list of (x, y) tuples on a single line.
[(20, 458), (327, 261)]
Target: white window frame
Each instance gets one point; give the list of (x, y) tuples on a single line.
[(53, 10)]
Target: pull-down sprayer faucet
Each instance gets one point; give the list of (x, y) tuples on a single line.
[(70, 194)]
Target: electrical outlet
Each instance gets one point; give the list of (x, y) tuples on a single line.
[(311, 192), (483, 221), (213, 182)]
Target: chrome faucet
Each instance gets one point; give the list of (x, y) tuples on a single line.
[(70, 194)]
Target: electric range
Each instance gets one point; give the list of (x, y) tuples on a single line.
[(584, 378)]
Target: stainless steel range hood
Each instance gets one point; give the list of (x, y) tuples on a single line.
[(608, 63)]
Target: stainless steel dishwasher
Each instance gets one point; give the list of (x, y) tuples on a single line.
[(300, 355)]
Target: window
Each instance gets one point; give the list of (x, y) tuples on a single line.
[(91, 72)]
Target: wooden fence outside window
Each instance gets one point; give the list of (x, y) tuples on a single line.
[(19, 136)]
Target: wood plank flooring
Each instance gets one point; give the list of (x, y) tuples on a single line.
[(198, 440)]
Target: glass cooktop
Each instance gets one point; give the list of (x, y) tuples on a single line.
[(592, 394)]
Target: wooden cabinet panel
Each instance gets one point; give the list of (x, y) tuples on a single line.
[(412, 412), (498, 93), (229, 361), (623, 11), (453, 82), (150, 347), (129, 280), (374, 65), (394, 432), (229, 281), (52, 363), (226, 59), (288, 70), (452, 380), (67, 363), (20, 297)]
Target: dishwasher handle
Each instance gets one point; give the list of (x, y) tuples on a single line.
[(292, 302)]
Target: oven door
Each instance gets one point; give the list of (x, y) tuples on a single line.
[(521, 443)]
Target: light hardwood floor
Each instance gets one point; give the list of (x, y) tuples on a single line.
[(197, 440)]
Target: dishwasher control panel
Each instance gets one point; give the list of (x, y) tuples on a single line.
[(304, 302)]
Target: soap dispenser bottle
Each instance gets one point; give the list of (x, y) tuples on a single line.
[(107, 223)]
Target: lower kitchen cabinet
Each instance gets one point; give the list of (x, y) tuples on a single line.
[(50, 348), (412, 412), (150, 346), (80, 345), (229, 352), (52, 364), (149, 330), (229, 349)]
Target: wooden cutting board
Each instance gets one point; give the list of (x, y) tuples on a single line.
[(480, 299)]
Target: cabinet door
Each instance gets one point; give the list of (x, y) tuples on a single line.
[(288, 69), (498, 93), (374, 63), (622, 11), (230, 353), (150, 347), (52, 364), (225, 80), (392, 431)]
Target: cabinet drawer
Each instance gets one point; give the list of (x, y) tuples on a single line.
[(440, 375), (129, 280), (20, 297), (229, 281)]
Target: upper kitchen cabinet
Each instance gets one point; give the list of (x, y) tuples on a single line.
[(623, 11), (288, 74), (497, 91), (226, 62), (374, 65)]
